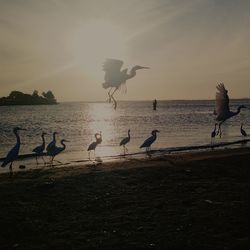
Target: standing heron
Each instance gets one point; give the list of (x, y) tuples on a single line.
[(13, 153), (147, 143), (115, 78), (50, 147), (243, 132), (222, 110), (125, 141), (93, 145), (57, 150), (213, 134), (39, 149)]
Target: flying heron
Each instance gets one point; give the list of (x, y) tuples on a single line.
[(93, 145), (39, 149), (147, 143), (115, 78), (222, 110), (13, 153), (125, 141)]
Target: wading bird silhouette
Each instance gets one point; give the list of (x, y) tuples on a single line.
[(147, 143), (115, 78), (13, 153), (39, 149), (213, 134), (125, 141), (93, 145), (50, 147), (57, 150), (222, 110), (243, 132)]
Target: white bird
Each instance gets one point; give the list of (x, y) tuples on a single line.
[(39, 149), (115, 78), (213, 134), (147, 143), (243, 132), (13, 153), (50, 147), (222, 110), (93, 145), (125, 141), (57, 150)]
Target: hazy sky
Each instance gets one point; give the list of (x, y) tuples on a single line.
[(190, 46)]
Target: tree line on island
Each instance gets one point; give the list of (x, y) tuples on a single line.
[(20, 98)]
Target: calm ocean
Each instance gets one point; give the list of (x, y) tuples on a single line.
[(181, 123)]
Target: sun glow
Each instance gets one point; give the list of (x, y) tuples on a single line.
[(96, 41)]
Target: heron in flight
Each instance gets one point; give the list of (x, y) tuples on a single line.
[(13, 153), (243, 132), (57, 150), (39, 149), (93, 145), (147, 143), (125, 141), (222, 110), (115, 78)]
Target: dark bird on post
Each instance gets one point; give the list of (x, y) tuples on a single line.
[(222, 110), (13, 153), (115, 77)]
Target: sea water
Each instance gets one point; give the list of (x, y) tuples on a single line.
[(181, 123)]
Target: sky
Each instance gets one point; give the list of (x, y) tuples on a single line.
[(190, 46)]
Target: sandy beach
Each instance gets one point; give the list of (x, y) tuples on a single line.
[(184, 201)]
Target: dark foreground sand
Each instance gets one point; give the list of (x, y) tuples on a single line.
[(187, 201)]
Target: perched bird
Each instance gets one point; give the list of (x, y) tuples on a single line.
[(243, 132), (57, 150), (147, 143), (39, 149), (93, 145), (213, 134), (50, 147), (13, 153), (125, 141), (222, 110), (115, 78)]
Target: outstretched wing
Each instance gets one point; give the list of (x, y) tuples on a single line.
[(112, 68), (222, 100)]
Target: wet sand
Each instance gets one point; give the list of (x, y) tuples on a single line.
[(183, 201)]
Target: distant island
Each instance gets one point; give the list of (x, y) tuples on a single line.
[(19, 98)]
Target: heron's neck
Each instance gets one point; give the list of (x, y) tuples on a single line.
[(17, 137), (132, 73), (54, 137), (63, 144), (43, 139), (129, 134)]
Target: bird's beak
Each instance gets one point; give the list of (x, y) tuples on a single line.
[(23, 129), (66, 141), (145, 67)]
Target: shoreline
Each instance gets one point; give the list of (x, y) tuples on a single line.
[(180, 201)]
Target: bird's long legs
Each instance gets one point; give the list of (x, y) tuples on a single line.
[(11, 170), (219, 132), (111, 97)]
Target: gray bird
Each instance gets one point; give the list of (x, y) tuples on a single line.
[(222, 110), (115, 78), (125, 141), (147, 143), (39, 149), (93, 145), (13, 153)]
